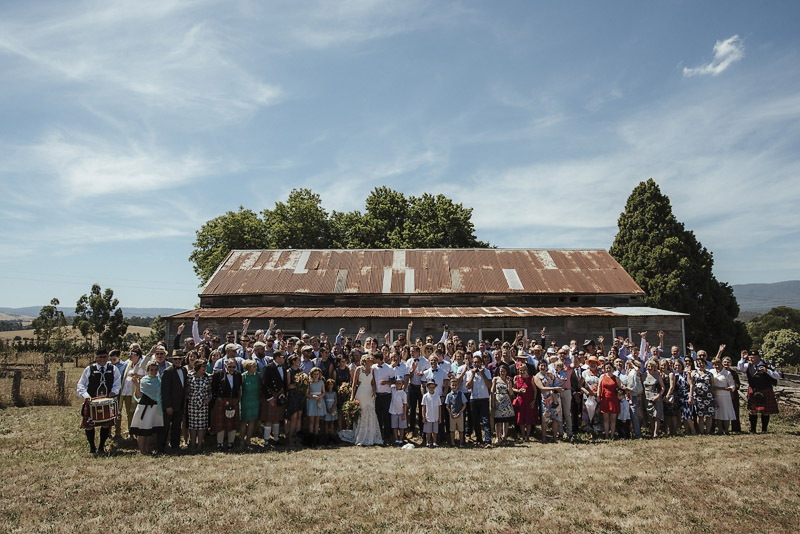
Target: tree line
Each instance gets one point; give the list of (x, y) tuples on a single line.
[(390, 220), (98, 319)]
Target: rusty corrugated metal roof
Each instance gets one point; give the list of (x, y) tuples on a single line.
[(420, 271), (444, 312)]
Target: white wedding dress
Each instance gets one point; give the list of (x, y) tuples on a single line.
[(366, 430)]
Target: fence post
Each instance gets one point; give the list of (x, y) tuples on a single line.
[(76, 361), (60, 387), (16, 386)]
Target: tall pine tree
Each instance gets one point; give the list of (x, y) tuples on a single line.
[(675, 270)]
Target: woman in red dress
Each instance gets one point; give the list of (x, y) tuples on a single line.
[(525, 401), (609, 402)]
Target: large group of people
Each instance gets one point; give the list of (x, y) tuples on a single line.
[(311, 390)]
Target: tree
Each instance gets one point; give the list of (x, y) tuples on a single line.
[(234, 230), (782, 347), (300, 222), (50, 322), (158, 331), (438, 222), (778, 318), (675, 270), (98, 313), (391, 220)]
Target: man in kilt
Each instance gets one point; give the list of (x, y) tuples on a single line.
[(226, 386), (273, 387), (99, 377), (760, 396)]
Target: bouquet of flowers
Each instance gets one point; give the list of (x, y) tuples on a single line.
[(345, 390), (351, 410), (301, 382)]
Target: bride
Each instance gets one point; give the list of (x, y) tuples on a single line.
[(366, 430)]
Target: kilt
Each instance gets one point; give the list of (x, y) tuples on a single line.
[(272, 413), (87, 423), (762, 401), (222, 423)]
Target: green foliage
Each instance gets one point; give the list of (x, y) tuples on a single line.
[(158, 331), (300, 222), (778, 318), (391, 220), (240, 229), (14, 324), (97, 313), (782, 347), (50, 322), (675, 270)]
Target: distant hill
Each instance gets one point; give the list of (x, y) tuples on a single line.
[(29, 312), (763, 297)]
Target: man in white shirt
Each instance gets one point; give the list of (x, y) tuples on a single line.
[(384, 378), (98, 379), (418, 365), (479, 381)]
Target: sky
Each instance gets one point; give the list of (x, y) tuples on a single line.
[(124, 126)]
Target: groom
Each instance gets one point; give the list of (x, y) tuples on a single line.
[(384, 378)]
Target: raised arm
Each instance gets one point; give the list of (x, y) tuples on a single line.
[(408, 333), (339, 337), (742, 365), (196, 329), (445, 334)]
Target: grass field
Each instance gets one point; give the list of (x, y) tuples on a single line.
[(741, 483), (11, 334)]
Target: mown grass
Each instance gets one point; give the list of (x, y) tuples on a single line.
[(741, 483)]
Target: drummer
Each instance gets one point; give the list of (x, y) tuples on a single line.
[(100, 372)]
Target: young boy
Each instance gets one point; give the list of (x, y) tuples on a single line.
[(431, 407), (456, 403), (397, 410)]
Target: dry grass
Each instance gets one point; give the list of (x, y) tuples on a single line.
[(739, 483), (141, 330)]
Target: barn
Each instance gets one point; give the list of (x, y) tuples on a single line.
[(478, 293)]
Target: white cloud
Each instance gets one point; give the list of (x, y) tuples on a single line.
[(87, 166), (726, 53), (161, 56)]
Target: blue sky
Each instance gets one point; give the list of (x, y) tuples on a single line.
[(125, 125)]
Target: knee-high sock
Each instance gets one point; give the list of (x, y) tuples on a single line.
[(267, 430), (753, 422), (90, 438), (276, 431), (220, 437), (764, 422), (231, 437), (104, 433)]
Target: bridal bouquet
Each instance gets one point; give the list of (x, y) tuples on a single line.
[(345, 390), (301, 382), (351, 410)]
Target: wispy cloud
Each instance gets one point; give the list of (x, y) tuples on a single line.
[(88, 166), (160, 56), (726, 53)]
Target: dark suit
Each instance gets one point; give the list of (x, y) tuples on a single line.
[(173, 395), (272, 383), (221, 389), (577, 398)]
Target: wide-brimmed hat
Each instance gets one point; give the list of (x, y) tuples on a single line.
[(592, 358)]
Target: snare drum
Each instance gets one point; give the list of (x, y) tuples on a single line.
[(102, 409)]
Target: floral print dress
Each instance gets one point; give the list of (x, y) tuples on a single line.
[(703, 394)]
